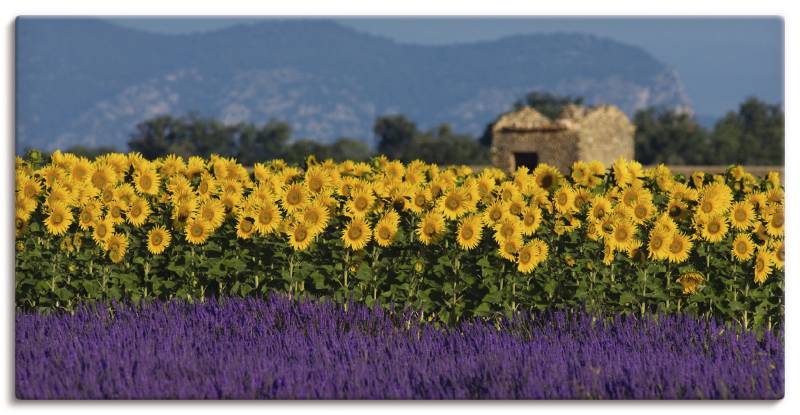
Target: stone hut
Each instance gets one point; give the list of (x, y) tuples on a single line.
[(526, 138)]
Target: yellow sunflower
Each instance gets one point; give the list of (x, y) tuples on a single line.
[(197, 231), (547, 177), (778, 254), (742, 215), (147, 181), (357, 234), (469, 232), (294, 197), (245, 226), (713, 228), (525, 258), (315, 215), (419, 200), (138, 212), (531, 220), (763, 266), (430, 228), (643, 210), (267, 218), (600, 208), (690, 281), (679, 248), (508, 249), (494, 213), (158, 239), (59, 219), (115, 211), (360, 203), (658, 243), (564, 199), (89, 214), (743, 247), (453, 203), (213, 212), (386, 229), (508, 228), (775, 223), (299, 236), (623, 238)]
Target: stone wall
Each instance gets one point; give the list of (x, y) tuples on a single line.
[(556, 148)]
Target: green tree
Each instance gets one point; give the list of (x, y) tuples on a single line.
[(753, 135), (394, 135), (267, 143), (669, 137)]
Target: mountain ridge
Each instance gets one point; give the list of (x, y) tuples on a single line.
[(325, 79)]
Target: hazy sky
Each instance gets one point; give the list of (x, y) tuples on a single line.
[(720, 60)]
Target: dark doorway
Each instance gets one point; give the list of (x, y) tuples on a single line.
[(529, 160)]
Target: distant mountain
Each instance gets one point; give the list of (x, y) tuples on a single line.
[(89, 82)]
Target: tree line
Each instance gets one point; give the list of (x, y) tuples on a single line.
[(751, 135)]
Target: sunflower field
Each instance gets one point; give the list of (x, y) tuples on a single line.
[(448, 242)]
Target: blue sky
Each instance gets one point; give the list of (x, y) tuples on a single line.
[(720, 60)]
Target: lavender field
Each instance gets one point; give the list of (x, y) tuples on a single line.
[(281, 349)]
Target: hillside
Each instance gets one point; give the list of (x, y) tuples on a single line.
[(89, 82)]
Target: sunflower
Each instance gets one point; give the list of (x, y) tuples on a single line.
[(508, 228), (743, 247), (742, 215), (494, 213), (564, 199), (138, 212), (658, 243), (713, 228), (386, 229), (116, 245), (357, 234), (763, 266), (158, 239), (316, 179), (622, 175), (469, 232), (690, 281), (299, 236), (102, 176), (89, 213), (509, 248), (147, 181), (197, 231), (453, 203), (547, 177), (115, 211), (315, 215), (643, 210), (360, 203), (623, 236), (526, 258), (419, 200), (581, 174), (430, 228), (213, 212), (775, 223), (632, 195), (245, 226), (294, 197), (600, 208), (59, 219), (531, 220), (102, 229), (182, 211), (778, 254), (679, 248)]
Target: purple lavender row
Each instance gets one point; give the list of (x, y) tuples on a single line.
[(281, 349)]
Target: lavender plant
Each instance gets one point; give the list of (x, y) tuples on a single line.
[(283, 349)]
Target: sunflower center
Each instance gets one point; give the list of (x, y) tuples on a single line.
[(156, 239), (101, 231), (675, 247), (146, 182), (293, 198), (136, 211), (208, 214), (384, 233), (760, 265), (657, 242), (300, 235), (714, 227), (525, 257), (354, 232), (86, 217), (547, 181), (740, 215), (247, 225), (707, 207), (315, 184), (467, 232), (265, 217), (741, 248), (429, 229), (452, 203), (640, 211), (496, 214), (197, 230), (57, 218), (361, 203), (777, 220), (562, 199), (419, 201), (600, 212), (621, 234)]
